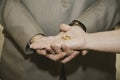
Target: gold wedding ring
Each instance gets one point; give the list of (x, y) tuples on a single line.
[(66, 37)]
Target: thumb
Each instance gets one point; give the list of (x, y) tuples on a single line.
[(64, 27)]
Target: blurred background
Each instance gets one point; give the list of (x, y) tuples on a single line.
[(118, 67), (118, 62)]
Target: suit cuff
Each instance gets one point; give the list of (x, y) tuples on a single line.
[(29, 50)]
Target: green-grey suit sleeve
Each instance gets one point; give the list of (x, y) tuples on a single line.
[(102, 15), (19, 23)]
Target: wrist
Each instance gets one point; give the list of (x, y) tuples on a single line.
[(89, 41), (85, 41)]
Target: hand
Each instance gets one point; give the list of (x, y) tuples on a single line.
[(62, 53), (69, 54), (40, 41), (77, 39), (70, 47), (42, 46), (80, 38)]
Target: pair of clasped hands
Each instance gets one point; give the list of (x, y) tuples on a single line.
[(63, 47)]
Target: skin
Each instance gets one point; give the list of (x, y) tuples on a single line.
[(107, 41), (42, 46), (53, 47), (56, 49)]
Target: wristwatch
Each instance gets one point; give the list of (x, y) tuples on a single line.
[(78, 23)]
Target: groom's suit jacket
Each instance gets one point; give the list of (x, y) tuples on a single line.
[(22, 19)]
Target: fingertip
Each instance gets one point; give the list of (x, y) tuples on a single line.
[(63, 62), (32, 46), (64, 27), (84, 52)]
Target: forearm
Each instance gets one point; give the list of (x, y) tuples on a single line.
[(108, 41)]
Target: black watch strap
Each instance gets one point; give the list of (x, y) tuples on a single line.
[(78, 23)]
